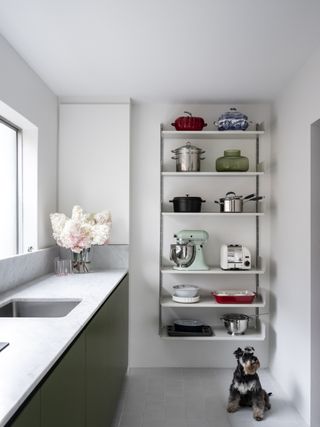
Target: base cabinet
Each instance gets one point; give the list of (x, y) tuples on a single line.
[(106, 356), (83, 388), (63, 393), (30, 416)]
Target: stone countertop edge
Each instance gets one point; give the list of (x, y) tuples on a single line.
[(35, 344)]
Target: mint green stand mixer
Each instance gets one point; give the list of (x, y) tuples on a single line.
[(187, 253)]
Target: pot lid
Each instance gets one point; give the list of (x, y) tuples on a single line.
[(189, 115), (188, 148), (235, 316), (233, 114), (188, 198), (188, 322), (231, 196)]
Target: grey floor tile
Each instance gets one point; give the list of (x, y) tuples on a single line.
[(264, 423), (153, 423), (175, 423), (127, 418), (183, 397)]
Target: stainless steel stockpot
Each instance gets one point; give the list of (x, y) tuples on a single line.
[(188, 158)]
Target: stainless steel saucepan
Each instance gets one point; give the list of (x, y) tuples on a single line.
[(233, 203), (237, 324)]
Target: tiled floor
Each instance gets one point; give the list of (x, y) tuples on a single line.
[(170, 397)]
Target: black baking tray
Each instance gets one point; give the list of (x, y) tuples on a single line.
[(206, 331)]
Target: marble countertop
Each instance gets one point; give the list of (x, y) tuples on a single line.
[(37, 343)]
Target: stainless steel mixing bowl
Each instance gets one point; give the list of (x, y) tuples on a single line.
[(236, 324), (182, 254)]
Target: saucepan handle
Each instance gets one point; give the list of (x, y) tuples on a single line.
[(255, 199), (249, 196)]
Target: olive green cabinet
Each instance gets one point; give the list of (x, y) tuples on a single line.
[(84, 387), (30, 416), (106, 357), (63, 392)]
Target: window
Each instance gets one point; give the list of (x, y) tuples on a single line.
[(19, 183), (10, 174)]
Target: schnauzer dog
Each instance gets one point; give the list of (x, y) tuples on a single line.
[(245, 389)]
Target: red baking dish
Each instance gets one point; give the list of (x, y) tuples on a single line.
[(234, 296)]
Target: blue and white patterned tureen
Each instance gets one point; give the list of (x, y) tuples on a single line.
[(232, 120)]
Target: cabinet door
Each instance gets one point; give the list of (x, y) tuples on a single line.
[(30, 414), (106, 357), (63, 392)]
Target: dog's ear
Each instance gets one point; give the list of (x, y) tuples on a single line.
[(238, 353), (249, 350)]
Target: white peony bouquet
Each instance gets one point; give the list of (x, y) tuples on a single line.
[(82, 230)]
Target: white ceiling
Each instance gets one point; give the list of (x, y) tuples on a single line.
[(164, 50)]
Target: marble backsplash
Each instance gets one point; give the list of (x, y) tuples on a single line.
[(23, 268), (105, 257)]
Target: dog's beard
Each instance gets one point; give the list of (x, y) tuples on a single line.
[(250, 368)]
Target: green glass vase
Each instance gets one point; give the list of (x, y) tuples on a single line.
[(232, 161)]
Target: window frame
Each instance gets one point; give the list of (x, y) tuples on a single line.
[(19, 182), (29, 182)]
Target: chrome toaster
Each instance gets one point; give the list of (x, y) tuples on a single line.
[(235, 257)]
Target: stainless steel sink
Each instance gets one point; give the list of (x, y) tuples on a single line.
[(38, 308)]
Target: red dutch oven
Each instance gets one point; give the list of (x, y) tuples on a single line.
[(189, 122)]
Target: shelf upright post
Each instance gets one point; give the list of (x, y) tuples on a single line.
[(257, 220), (161, 228)]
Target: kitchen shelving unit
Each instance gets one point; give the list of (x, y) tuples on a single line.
[(215, 174), (257, 332), (212, 134), (212, 270), (219, 214), (210, 302)]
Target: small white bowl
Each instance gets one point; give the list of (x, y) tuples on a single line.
[(186, 300), (186, 291)]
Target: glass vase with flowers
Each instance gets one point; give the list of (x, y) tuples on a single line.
[(79, 233)]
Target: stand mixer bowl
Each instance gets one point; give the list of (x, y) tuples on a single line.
[(182, 254)]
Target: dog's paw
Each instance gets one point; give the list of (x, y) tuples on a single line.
[(258, 414), (232, 407)]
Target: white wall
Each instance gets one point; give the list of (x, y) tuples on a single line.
[(146, 348), (25, 92), (296, 108), (315, 271), (94, 162)]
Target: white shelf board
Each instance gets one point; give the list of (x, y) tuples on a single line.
[(212, 270), (220, 334), (231, 214), (203, 174), (211, 134), (210, 302)]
